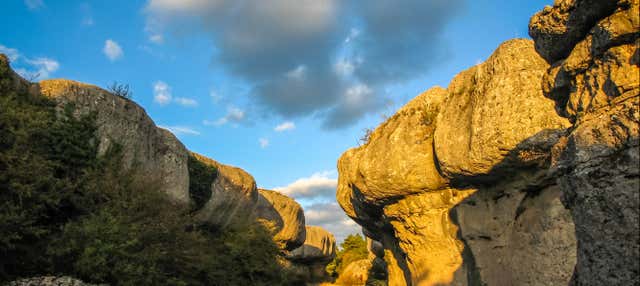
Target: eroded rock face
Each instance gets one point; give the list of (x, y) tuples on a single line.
[(284, 216), (595, 84), (156, 153), (479, 200), (490, 109)]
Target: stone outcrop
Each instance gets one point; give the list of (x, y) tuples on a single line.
[(455, 185), (156, 153), (595, 82), (50, 281), (233, 194), (312, 257), (284, 216)]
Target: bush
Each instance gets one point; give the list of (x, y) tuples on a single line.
[(201, 176)]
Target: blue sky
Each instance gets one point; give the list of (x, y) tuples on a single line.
[(279, 88)]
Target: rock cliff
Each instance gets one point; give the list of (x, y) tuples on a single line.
[(594, 49), (481, 183)]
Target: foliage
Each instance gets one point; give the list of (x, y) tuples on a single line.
[(121, 90), (65, 211), (201, 176), (45, 159), (353, 248)]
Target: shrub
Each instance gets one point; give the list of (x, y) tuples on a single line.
[(201, 176), (121, 90)]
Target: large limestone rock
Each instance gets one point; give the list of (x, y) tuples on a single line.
[(233, 194), (156, 153), (478, 200), (284, 216), (595, 83), (490, 109)]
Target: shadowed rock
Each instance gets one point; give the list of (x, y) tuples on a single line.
[(595, 82), (283, 216)]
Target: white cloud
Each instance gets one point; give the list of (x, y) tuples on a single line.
[(34, 4), (287, 125), (13, 54), (112, 50), (321, 184), (332, 218), (156, 38), (264, 142), (30, 68), (188, 102), (297, 73), (215, 96), (234, 115), (181, 130), (344, 68), (161, 93)]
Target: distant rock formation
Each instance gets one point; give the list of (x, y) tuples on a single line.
[(594, 48), (312, 257), (481, 183), (284, 216)]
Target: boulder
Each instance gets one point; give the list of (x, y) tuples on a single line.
[(284, 216), (490, 109), (233, 194)]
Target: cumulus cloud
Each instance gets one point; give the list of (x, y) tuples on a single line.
[(188, 102), (325, 58), (34, 4), (318, 185), (112, 50), (161, 93), (287, 125), (234, 115), (181, 130), (30, 68)]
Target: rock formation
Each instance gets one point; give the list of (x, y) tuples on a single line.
[(155, 152), (455, 186), (233, 193), (312, 257), (481, 183), (284, 216), (595, 81)]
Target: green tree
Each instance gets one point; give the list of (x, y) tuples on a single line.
[(353, 248)]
